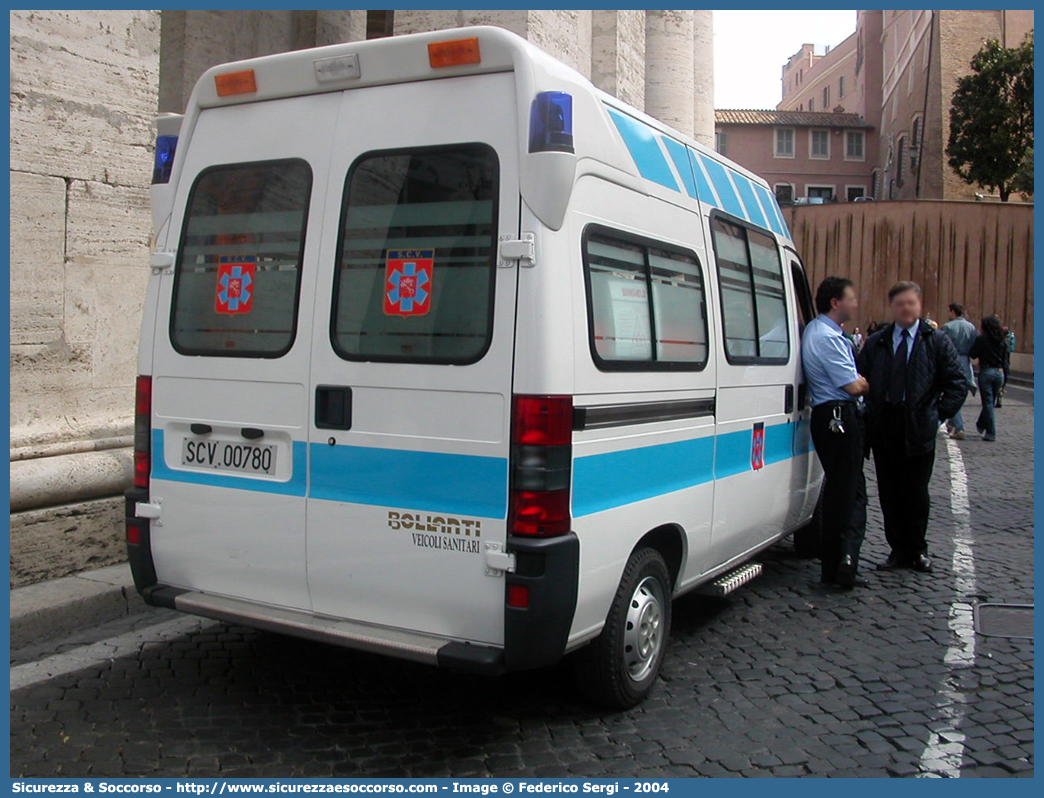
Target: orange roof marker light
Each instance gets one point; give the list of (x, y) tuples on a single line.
[(235, 83), (454, 53)]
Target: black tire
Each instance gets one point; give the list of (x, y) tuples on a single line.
[(610, 671), (808, 539)]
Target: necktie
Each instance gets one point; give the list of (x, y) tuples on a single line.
[(897, 385)]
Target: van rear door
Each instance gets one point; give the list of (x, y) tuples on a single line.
[(230, 373), (412, 359)]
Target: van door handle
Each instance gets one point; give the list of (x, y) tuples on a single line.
[(252, 433), (788, 399), (333, 407)]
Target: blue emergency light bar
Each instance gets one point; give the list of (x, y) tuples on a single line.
[(551, 122), (165, 148)]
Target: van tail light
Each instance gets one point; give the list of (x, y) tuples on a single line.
[(142, 432), (541, 465)]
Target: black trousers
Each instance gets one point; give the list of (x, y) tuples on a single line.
[(902, 482), (844, 489)]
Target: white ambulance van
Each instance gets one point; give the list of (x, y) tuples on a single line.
[(450, 356)]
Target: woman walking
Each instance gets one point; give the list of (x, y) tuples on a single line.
[(991, 350)]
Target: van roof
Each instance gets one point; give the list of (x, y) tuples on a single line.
[(404, 59)]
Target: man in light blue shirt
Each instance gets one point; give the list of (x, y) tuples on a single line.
[(834, 384), (963, 334)]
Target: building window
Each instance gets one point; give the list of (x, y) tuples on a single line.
[(900, 161), (721, 141), (841, 87), (854, 145), (784, 142), (915, 137), (811, 103), (819, 144), (801, 107), (853, 192), (825, 193), (826, 98), (784, 193)]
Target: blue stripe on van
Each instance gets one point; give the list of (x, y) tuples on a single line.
[(641, 141), (703, 188), (720, 178), (749, 200), (456, 484), (769, 204), (478, 486), (604, 481), (296, 486), (680, 157)]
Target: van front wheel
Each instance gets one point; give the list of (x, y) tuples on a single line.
[(619, 668)]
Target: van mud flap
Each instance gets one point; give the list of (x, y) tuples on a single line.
[(536, 636)]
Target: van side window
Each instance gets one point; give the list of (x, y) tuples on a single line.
[(804, 293), (237, 276), (646, 304), (417, 256), (753, 296)]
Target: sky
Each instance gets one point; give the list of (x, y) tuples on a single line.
[(750, 48)]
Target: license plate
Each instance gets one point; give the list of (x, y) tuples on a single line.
[(252, 458)]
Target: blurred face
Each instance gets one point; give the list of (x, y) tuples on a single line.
[(845, 307), (906, 308)]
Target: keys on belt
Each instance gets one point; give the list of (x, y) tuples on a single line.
[(836, 425)]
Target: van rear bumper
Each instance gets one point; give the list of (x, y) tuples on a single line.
[(349, 634)]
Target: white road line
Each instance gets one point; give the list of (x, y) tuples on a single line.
[(944, 752), (104, 650)]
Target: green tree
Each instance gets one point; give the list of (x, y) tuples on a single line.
[(1023, 182), (991, 117)]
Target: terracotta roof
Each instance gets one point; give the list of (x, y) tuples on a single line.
[(790, 118)]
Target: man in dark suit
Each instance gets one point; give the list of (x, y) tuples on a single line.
[(916, 382)]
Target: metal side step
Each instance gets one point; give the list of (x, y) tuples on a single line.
[(351, 634), (728, 582)]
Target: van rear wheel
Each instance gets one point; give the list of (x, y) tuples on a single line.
[(619, 668)]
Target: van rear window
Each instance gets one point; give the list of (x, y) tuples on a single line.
[(238, 271), (417, 256)]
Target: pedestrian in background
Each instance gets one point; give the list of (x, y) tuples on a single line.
[(915, 383), (991, 350), (857, 339), (1010, 338), (963, 334), (837, 430)]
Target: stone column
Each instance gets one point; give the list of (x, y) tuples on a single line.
[(669, 51), (194, 41), (618, 54), (703, 77), (333, 27)]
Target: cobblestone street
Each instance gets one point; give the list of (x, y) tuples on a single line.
[(782, 678)]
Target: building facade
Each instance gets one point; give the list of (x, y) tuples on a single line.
[(85, 89), (898, 72), (822, 157)]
